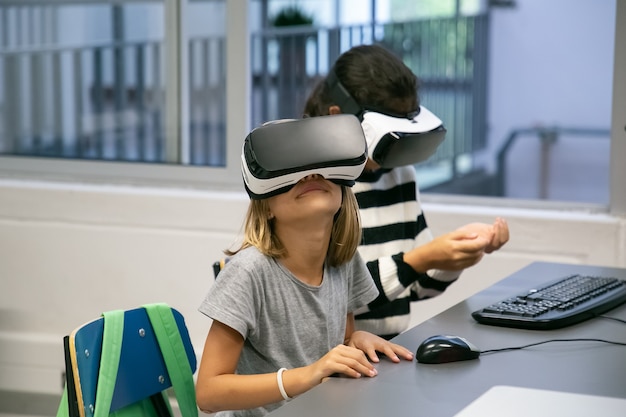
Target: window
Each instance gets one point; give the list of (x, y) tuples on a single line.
[(118, 84), (165, 91), (549, 109)]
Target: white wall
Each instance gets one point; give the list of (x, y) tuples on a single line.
[(551, 65), (68, 252)]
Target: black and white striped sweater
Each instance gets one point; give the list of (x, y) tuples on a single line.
[(393, 223)]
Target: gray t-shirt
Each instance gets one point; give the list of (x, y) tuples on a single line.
[(284, 322)]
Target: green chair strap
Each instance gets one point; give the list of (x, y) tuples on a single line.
[(172, 348), (63, 410), (176, 361), (109, 360)]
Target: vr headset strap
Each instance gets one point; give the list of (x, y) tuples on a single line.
[(341, 96)]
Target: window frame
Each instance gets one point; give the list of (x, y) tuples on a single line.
[(617, 190)]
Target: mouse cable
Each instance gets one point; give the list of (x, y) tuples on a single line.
[(550, 341), (612, 318)]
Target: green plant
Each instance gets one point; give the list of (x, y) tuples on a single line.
[(291, 16)]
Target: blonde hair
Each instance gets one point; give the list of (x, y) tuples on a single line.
[(344, 239)]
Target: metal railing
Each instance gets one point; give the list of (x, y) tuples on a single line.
[(548, 137), (63, 102)]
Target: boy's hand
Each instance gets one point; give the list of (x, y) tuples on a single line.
[(496, 234)]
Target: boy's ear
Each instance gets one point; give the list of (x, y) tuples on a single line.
[(334, 109)]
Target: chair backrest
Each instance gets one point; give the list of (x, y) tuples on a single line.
[(138, 353), (218, 266)]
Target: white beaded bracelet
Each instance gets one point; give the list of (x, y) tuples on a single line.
[(281, 387)]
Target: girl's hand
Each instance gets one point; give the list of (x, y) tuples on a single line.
[(342, 359), (370, 344)]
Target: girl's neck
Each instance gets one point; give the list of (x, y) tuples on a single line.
[(306, 254), (307, 273)]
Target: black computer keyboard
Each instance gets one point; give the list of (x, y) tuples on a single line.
[(559, 303)]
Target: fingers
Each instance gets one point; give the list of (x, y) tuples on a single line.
[(372, 355), (469, 243), (353, 362), (403, 352), (454, 251), (480, 229), (502, 228), (348, 361), (501, 235), (396, 352), (495, 235), (372, 345)]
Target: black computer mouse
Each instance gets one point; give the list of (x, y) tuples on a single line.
[(445, 348)]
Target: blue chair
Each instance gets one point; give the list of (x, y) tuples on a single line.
[(127, 357)]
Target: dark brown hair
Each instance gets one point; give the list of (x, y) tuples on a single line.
[(373, 76)]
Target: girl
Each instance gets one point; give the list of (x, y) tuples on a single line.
[(282, 307)]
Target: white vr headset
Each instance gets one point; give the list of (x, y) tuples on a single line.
[(278, 154), (393, 140)]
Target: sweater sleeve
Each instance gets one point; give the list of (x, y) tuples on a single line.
[(394, 281), (394, 277), (435, 281), (393, 223)]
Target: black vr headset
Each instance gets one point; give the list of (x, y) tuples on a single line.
[(393, 140), (278, 154)]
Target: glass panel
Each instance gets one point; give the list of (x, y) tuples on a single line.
[(527, 112), (87, 81), (419, 9), (549, 105), (81, 81), (288, 61), (545, 139), (205, 25)]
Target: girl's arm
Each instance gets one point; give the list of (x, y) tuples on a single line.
[(219, 388), (369, 343), (350, 328)]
